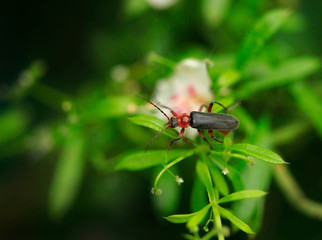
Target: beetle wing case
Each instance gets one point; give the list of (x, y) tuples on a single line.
[(213, 121)]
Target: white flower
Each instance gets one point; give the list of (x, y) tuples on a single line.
[(186, 89), (179, 180), (161, 4), (225, 171)]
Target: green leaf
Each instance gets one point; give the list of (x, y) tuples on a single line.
[(258, 152), (214, 11), (309, 102), (219, 181), (258, 177), (180, 218), (236, 221), (154, 123), (228, 78), (141, 160), (246, 121), (12, 124), (226, 101), (233, 175), (29, 78), (67, 176), (134, 8), (198, 195), (260, 33), (287, 72), (183, 218), (204, 175), (194, 221), (110, 107), (242, 195)]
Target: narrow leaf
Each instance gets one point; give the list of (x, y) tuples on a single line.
[(214, 11), (141, 160), (67, 176), (309, 102), (198, 197), (233, 174), (287, 72), (236, 221), (260, 33), (242, 195), (180, 218), (110, 107), (154, 123), (219, 181), (258, 152), (204, 175), (12, 124), (194, 221)]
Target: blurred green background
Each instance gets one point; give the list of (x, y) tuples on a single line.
[(69, 73)]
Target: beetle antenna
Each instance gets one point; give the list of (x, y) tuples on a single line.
[(155, 107), (169, 125)]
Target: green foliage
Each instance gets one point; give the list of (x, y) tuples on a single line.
[(258, 152), (183, 218), (260, 33), (141, 160), (219, 181), (309, 102), (288, 72), (100, 123), (154, 123), (68, 175), (204, 175), (236, 221), (13, 124), (242, 195)]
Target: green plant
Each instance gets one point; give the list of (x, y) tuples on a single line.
[(90, 131)]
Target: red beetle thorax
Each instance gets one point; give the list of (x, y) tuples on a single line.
[(183, 120)]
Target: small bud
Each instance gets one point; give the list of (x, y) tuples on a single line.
[(72, 118), (251, 161), (209, 62), (225, 171), (179, 180), (66, 106), (120, 73), (157, 191)]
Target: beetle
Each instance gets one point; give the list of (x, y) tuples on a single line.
[(199, 120)]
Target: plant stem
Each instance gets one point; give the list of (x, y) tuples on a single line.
[(217, 221), (294, 194), (236, 155), (179, 159)]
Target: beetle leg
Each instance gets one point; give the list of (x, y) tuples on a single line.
[(212, 103), (226, 109), (235, 105), (211, 134), (224, 132), (157, 136), (201, 107), (180, 136), (204, 138)]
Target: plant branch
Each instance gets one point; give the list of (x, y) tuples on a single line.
[(294, 194)]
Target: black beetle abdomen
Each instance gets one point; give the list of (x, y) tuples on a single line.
[(213, 121)]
